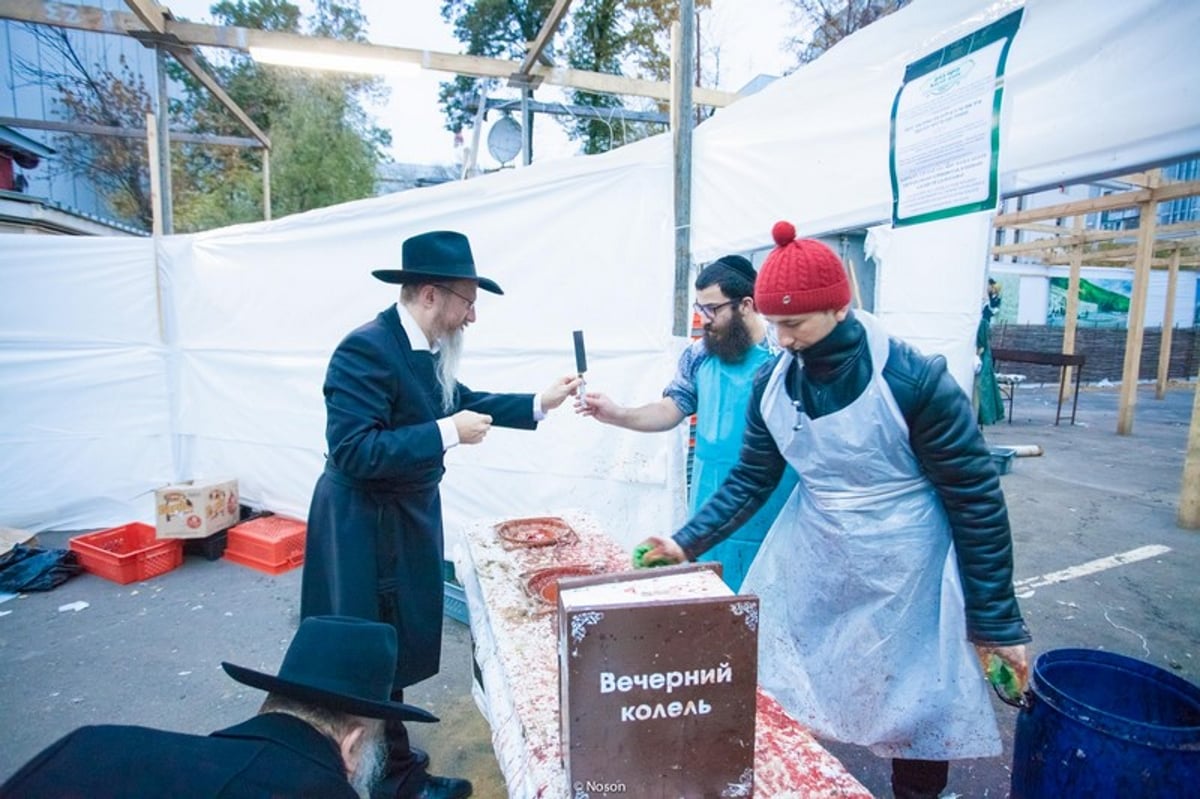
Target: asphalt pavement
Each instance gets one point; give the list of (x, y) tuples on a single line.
[(1100, 564)]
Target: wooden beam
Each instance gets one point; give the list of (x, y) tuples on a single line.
[(68, 15), (1164, 346), (156, 221), (1124, 253), (1071, 319), (1147, 219), (148, 18), (162, 103), (156, 226), (1095, 235), (553, 20), (266, 177), (1127, 199), (128, 133), (683, 54), (1064, 239), (1189, 493), (152, 15), (192, 34), (1038, 227), (188, 61), (1139, 179)]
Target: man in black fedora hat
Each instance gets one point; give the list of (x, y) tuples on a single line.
[(394, 406), (319, 734)]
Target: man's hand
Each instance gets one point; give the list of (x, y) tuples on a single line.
[(657, 552), (1006, 667), (471, 426), (654, 417), (559, 390), (599, 406)]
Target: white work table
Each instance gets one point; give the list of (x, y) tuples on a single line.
[(516, 652)]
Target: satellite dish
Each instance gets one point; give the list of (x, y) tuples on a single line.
[(505, 139)]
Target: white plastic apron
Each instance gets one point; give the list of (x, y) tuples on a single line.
[(723, 392), (862, 634)]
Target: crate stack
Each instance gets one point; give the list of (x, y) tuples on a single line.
[(198, 512), (196, 517)]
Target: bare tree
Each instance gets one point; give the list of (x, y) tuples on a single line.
[(827, 22), (96, 96)]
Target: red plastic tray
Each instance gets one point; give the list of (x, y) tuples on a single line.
[(271, 544), (127, 553)]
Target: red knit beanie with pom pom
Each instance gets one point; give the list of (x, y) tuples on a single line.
[(800, 276)]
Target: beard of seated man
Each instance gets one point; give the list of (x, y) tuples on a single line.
[(732, 341), (369, 771), (364, 772)]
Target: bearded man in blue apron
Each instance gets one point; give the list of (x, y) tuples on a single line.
[(374, 545), (713, 381), (892, 560)]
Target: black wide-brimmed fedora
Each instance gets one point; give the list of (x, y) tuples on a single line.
[(441, 255), (341, 663)]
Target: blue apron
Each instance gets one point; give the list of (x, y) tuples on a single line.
[(723, 391)]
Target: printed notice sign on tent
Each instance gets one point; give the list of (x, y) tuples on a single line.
[(945, 140)]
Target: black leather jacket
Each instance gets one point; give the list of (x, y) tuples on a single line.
[(944, 438)]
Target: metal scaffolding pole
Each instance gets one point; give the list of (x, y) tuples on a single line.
[(164, 143), (683, 53)]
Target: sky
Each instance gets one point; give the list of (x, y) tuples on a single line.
[(748, 33)]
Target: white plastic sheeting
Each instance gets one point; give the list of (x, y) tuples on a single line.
[(1089, 89), (84, 401), (97, 408), (252, 313), (930, 286)]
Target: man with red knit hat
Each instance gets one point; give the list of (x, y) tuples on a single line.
[(886, 581)]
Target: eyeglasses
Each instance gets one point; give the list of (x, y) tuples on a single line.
[(470, 302), (709, 311)]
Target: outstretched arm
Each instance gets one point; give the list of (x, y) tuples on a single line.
[(654, 417)]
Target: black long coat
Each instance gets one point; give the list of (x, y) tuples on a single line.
[(273, 755), (374, 543)]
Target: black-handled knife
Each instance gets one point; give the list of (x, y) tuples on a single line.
[(580, 360)]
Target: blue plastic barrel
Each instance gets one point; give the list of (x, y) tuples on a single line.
[(1101, 725)]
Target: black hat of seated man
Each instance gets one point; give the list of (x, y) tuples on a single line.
[(341, 663), (439, 255)]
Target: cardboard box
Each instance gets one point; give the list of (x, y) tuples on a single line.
[(658, 675), (196, 508)]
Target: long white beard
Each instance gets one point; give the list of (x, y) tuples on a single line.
[(449, 353), (370, 767)]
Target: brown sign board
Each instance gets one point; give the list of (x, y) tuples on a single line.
[(658, 673)]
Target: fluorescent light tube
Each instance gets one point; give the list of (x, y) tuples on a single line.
[(307, 59)]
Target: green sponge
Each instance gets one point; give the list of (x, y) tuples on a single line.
[(1002, 677), (639, 558)]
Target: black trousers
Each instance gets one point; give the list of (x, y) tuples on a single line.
[(919, 779), (406, 768)]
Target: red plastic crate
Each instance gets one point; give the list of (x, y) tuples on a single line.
[(127, 553), (271, 544)]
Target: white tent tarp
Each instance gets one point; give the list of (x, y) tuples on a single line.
[(98, 408)]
